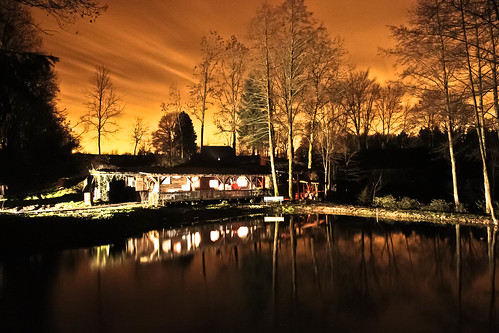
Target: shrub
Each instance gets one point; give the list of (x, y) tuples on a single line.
[(409, 203), (385, 202), (439, 205)]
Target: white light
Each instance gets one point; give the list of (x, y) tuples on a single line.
[(214, 235), (197, 239), (178, 247), (167, 245), (186, 188), (196, 184), (242, 232), (213, 183), (242, 182)]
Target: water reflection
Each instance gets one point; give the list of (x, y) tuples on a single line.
[(168, 244), (305, 273)]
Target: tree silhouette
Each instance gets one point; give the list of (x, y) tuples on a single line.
[(33, 132), (138, 132), (202, 91), (103, 106), (64, 11), (175, 137)]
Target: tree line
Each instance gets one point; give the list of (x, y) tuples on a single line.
[(290, 82), (35, 137)]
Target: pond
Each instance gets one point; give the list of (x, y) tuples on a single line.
[(304, 273)]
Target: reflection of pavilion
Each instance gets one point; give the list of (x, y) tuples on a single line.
[(172, 243), (169, 244)]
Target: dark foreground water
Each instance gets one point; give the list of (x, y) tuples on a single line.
[(319, 273)]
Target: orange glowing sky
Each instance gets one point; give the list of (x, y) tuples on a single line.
[(148, 45)]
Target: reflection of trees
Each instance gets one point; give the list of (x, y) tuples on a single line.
[(327, 268)]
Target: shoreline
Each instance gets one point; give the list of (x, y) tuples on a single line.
[(32, 232), (386, 215)]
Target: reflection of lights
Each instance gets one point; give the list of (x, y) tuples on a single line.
[(213, 183), (214, 235), (197, 239), (167, 245), (177, 247), (242, 182), (242, 232)]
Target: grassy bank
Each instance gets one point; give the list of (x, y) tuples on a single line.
[(391, 215), (31, 231), (45, 230)]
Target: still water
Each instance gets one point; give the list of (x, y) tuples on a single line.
[(306, 273)]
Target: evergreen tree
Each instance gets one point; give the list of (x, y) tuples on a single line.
[(175, 137), (252, 116), (185, 136)]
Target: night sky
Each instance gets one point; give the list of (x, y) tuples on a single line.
[(149, 45)]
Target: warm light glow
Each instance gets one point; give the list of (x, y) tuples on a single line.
[(242, 232), (177, 247), (167, 245), (197, 239), (214, 235), (213, 183), (154, 45), (196, 184), (242, 182), (186, 188)]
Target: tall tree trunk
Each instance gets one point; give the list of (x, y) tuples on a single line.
[(290, 162), (453, 165), (205, 92), (269, 117), (478, 119), (449, 123), (98, 140)]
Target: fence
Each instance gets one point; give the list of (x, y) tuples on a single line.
[(163, 198)]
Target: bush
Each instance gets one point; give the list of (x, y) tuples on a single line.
[(438, 205), (385, 202), (408, 203)]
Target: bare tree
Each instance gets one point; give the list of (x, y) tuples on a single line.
[(66, 11), (103, 106), (202, 91), (230, 83), (138, 133), (18, 33), (389, 108), (356, 96), (330, 126), (470, 34), (296, 33), (263, 28), (325, 61), (431, 61)]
